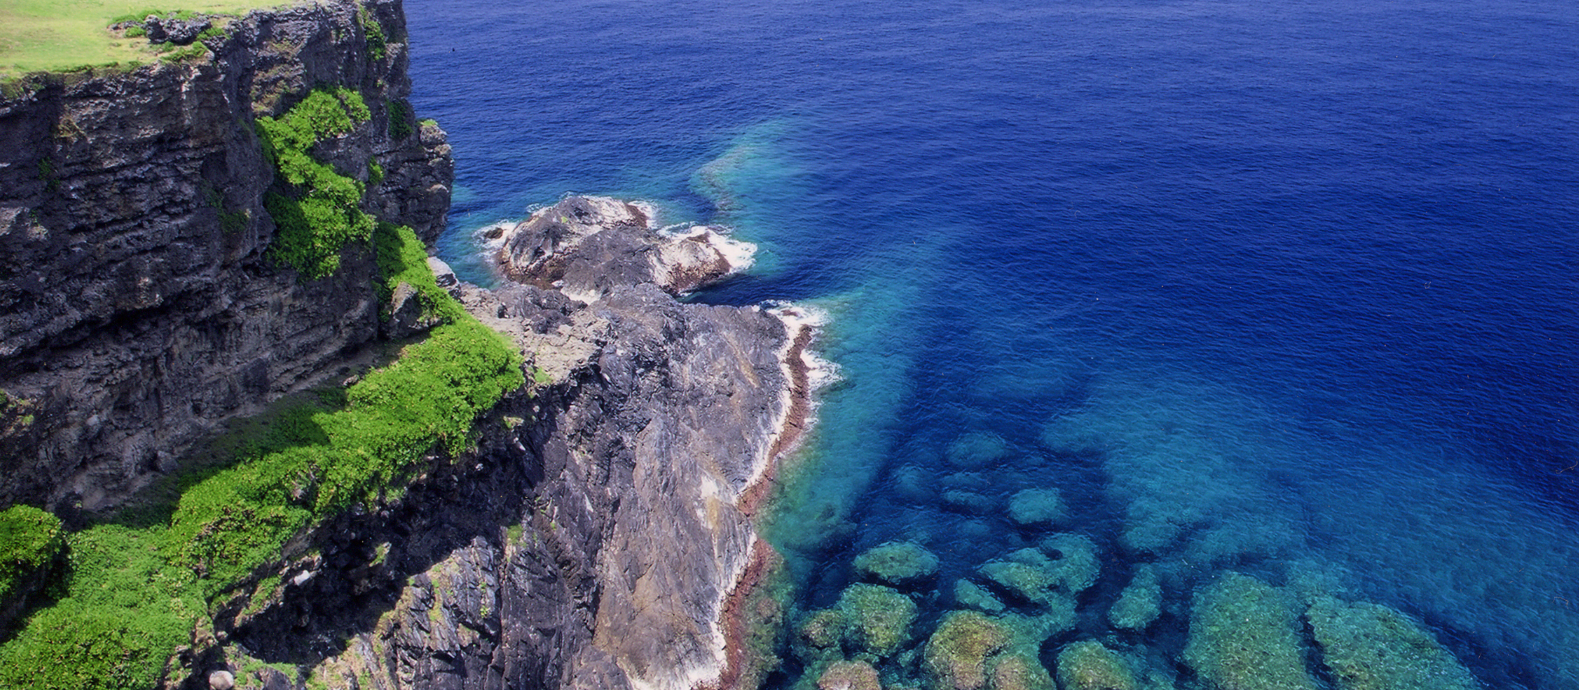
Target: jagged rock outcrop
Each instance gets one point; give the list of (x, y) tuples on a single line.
[(592, 538), (138, 306), (586, 246)]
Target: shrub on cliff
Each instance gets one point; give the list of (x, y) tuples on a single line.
[(29, 539), (318, 213)]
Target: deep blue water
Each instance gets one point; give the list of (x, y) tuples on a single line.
[(1299, 279)]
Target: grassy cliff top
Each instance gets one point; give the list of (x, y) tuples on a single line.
[(55, 35)]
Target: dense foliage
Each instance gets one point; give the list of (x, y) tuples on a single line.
[(29, 539), (320, 213)]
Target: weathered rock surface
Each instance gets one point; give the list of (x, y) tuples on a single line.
[(587, 245), (138, 306), (592, 538)]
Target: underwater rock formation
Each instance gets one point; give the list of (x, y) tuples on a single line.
[(1244, 635), (877, 619), (1372, 647), (897, 563), (1090, 666), (1141, 601), (1033, 507), (956, 654)]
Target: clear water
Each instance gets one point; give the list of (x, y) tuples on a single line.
[(1290, 288)]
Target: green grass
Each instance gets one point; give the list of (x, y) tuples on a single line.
[(62, 35)]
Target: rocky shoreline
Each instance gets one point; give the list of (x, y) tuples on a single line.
[(629, 559)]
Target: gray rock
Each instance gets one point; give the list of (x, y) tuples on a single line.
[(586, 246), (221, 680), (178, 31)]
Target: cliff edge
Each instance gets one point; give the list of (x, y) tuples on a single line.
[(162, 286), (140, 307)]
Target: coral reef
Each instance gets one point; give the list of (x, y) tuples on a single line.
[(1088, 665), (898, 563), (1140, 603), (1372, 647), (1033, 507), (1244, 635)]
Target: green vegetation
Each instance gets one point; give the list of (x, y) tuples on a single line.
[(136, 590), (377, 42), (403, 259), (123, 614), (48, 35), (320, 213), (29, 539), (400, 119)]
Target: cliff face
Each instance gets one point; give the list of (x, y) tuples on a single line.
[(593, 536), (139, 308)]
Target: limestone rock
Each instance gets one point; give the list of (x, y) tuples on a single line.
[(144, 311)]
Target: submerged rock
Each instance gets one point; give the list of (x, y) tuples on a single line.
[(823, 629), (849, 675), (1033, 507), (1244, 635), (1075, 558), (956, 654), (1090, 666), (878, 618), (1140, 603), (1065, 566), (977, 449), (898, 563), (1018, 670), (971, 595), (1372, 647)]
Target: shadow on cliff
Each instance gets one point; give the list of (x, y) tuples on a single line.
[(364, 561)]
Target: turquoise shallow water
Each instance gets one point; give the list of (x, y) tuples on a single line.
[(1282, 289)]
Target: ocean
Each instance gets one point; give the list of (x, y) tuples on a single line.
[(1285, 289)]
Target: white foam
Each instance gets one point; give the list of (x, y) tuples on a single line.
[(820, 373), (739, 254)]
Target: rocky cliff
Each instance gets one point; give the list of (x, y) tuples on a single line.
[(593, 537), (594, 530), (139, 305)]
